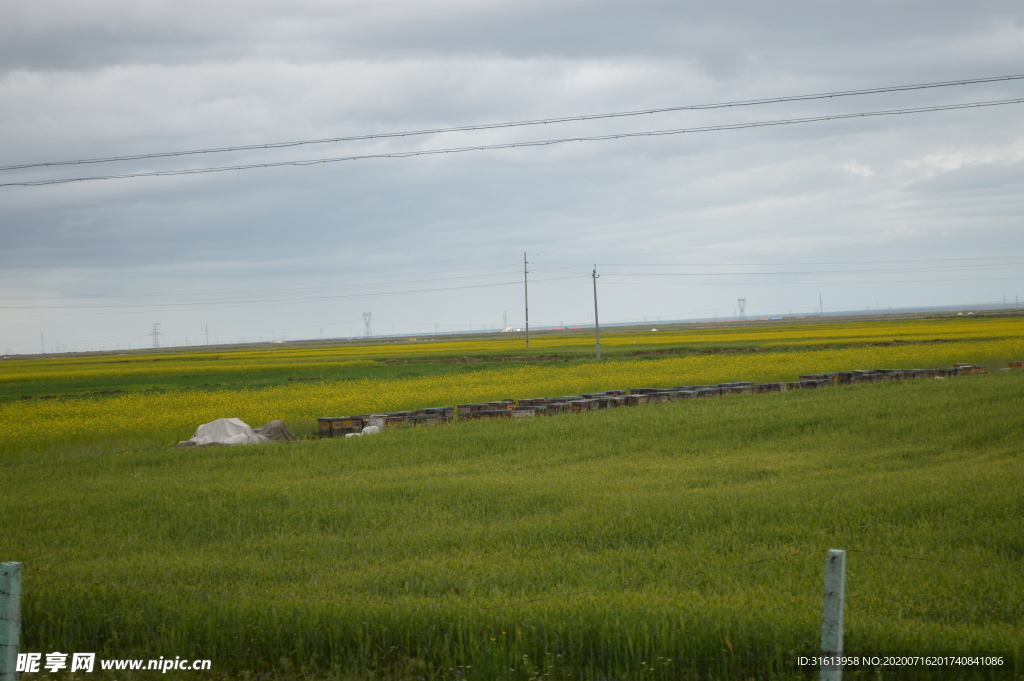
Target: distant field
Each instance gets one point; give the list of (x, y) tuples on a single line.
[(246, 367), (421, 553), (259, 385)]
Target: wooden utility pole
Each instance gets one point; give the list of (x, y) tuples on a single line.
[(597, 324), (526, 301)]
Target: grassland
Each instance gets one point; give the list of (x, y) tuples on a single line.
[(619, 545)]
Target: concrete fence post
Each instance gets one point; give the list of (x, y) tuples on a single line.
[(832, 617), (10, 619)]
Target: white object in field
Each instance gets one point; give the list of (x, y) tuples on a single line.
[(224, 432), (832, 617), (276, 430), (353, 434), (370, 430), (653, 329)]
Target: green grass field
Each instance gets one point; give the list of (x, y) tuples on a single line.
[(672, 541)]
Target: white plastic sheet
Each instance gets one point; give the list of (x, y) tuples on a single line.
[(224, 432)]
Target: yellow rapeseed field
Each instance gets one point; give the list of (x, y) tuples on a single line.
[(310, 359), (198, 365), (175, 414)]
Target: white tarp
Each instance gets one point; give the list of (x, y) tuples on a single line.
[(224, 432), (276, 430)]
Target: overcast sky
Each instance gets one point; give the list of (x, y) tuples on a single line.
[(909, 210)]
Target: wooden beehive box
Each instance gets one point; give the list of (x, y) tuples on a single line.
[(339, 426)]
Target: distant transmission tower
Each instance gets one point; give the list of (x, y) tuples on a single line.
[(155, 333), (367, 316), (741, 303)]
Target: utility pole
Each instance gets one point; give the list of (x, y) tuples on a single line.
[(367, 316), (207, 333), (42, 344), (526, 301), (155, 333), (741, 303), (821, 308), (597, 325)]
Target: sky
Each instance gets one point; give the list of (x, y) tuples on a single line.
[(901, 210)]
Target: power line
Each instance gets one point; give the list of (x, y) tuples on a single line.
[(587, 258), (133, 308), (251, 301), (992, 266), (363, 284), (890, 270), (516, 124), (829, 262), (515, 145), (579, 281), (959, 268)]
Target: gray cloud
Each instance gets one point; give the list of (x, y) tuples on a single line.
[(723, 36), (119, 78)]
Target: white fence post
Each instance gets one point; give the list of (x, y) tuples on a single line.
[(832, 618), (10, 619)]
